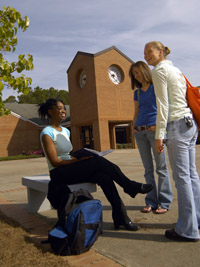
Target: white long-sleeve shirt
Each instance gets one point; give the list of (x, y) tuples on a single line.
[(170, 90)]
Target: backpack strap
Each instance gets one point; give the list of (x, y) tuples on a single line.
[(91, 226), (191, 86), (187, 82), (75, 198), (193, 100)]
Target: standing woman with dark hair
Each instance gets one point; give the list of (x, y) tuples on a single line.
[(65, 170), (144, 125), (175, 117)]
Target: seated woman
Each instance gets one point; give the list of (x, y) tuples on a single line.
[(65, 170)]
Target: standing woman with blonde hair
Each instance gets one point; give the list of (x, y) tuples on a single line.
[(175, 117), (144, 125)]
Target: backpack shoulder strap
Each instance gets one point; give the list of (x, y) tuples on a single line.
[(77, 197), (187, 82)]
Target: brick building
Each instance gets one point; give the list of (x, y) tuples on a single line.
[(17, 135), (20, 131), (101, 99), (100, 113)]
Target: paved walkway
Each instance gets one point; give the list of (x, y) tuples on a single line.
[(146, 247)]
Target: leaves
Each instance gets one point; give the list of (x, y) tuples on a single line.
[(10, 99), (39, 95), (10, 22), (1, 86)]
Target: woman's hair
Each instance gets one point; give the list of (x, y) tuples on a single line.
[(146, 72), (47, 105), (159, 45)]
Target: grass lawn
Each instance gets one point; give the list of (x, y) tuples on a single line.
[(19, 157)]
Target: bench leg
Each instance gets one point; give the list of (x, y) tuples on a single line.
[(37, 201)]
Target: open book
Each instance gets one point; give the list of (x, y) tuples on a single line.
[(86, 152)]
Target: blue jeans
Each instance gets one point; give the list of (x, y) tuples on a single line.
[(181, 150), (161, 194)]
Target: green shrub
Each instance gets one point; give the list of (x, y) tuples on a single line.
[(19, 157), (124, 146)]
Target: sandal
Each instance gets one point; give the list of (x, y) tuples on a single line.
[(146, 209), (160, 210)]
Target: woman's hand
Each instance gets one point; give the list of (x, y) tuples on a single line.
[(135, 131), (152, 128), (159, 145)]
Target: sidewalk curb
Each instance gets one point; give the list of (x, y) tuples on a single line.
[(37, 230)]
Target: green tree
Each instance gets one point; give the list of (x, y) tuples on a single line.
[(10, 99), (10, 22), (39, 95), (64, 96)]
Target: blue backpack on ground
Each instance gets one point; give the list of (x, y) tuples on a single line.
[(79, 224)]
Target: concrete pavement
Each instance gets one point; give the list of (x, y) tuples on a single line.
[(146, 247)]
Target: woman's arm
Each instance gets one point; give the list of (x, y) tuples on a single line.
[(136, 110), (159, 145), (162, 102), (51, 152), (161, 92)]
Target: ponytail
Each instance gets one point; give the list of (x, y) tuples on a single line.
[(166, 51), (47, 105), (159, 45)]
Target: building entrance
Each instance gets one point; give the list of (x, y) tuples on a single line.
[(121, 135), (87, 137)]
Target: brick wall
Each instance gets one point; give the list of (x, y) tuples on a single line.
[(17, 135), (100, 103)]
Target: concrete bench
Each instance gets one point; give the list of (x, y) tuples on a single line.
[(37, 188)]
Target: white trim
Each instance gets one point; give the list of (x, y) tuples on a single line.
[(66, 124), (122, 125), (22, 118)]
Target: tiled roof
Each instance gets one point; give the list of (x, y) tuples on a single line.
[(29, 112), (98, 54)]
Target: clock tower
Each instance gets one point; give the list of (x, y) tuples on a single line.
[(101, 99)]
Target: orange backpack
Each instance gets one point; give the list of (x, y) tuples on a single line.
[(193, 99)]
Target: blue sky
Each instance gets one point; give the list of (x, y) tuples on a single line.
[(59, 29)]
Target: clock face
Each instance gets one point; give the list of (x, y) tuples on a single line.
[(115, 74), (82, 79)]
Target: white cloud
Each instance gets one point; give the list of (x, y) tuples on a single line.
[(58, 29)]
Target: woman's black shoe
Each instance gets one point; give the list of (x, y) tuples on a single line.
[(146, 188), (129, 226)]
